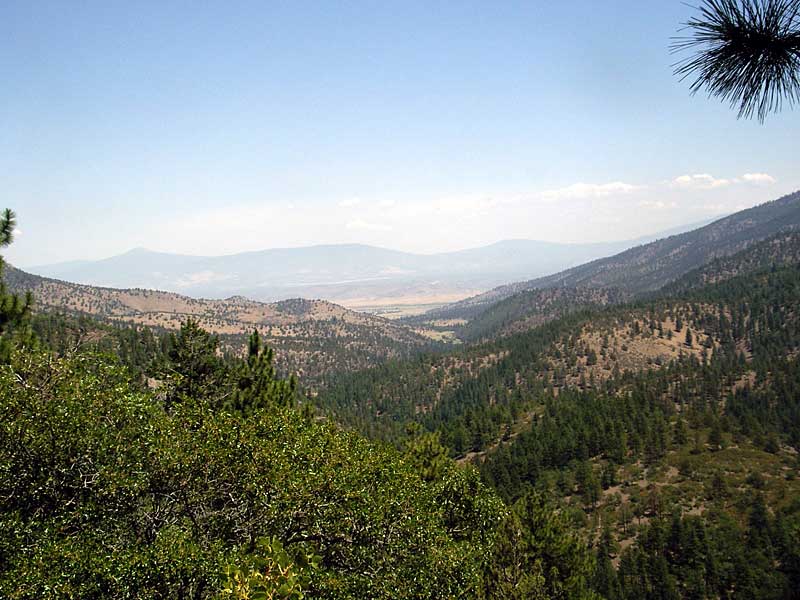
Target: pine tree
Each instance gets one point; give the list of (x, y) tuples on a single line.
[(591, 358), (14, 311), (257, 386), (537, 556), (588, 485), (194, 365), (608, 478), (715, 438), (719, 487), (605, 576), (680, 434)]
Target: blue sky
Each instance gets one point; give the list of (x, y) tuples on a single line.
[(211, 128)]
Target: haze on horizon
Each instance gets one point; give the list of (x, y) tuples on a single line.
[(422, 127)]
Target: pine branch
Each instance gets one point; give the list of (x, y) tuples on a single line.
[(746, 52), (8, 222)]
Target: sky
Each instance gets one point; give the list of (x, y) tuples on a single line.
[(214, 128)]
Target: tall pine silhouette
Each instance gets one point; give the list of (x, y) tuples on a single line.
[(14, 310)]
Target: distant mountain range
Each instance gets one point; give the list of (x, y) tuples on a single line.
[(627, 275), (355, 275)]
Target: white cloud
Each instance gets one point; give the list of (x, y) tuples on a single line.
[(360, 224), (580, 212), (758, 178), (702, 181), (581, 191)]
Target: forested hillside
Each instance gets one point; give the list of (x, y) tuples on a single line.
[(136, 465), (779, 249), (585, 346), (630, 424), (608, 450), (529, 309), (648, 422)]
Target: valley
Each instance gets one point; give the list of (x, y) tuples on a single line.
[(400, 301), (623, 395)]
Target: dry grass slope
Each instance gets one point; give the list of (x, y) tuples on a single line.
[(311, 337)]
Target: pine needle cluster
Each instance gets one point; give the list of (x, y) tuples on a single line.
[(746, 52)]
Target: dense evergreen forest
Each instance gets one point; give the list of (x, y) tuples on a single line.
[(667, 429)]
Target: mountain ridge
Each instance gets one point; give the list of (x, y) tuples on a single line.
[(648, 267), (352, 274)]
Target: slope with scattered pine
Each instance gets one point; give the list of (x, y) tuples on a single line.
[(687, 401), (311, 337), (473, 394)]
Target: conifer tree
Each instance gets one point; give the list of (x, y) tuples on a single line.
[(605, 576), (608, 477), (537, 556), (194, 365), (14, 311), (680, 434), (257, 384), (715, 438)]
